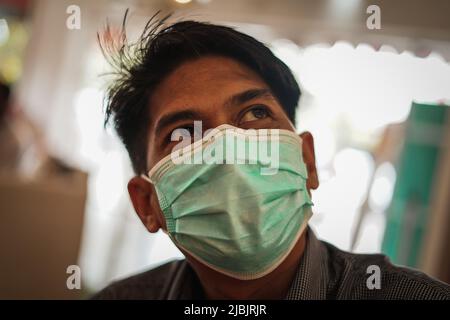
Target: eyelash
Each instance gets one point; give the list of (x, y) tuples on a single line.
[(256, 107), (190, 127)]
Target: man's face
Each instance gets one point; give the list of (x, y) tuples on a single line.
[(214, 90)]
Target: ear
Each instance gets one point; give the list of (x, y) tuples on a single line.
[(310, 160), (145, 203)]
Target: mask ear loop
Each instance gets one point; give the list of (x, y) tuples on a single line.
[(143, 176)]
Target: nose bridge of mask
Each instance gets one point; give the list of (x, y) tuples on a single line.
[(280, 138)]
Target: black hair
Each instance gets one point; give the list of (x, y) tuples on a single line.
[(138, 68)]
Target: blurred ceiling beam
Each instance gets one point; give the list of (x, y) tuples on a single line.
[(403, 18), (413, 25)]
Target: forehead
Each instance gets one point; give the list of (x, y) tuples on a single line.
[(202, 82)]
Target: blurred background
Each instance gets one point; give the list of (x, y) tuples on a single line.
[(375, 100)]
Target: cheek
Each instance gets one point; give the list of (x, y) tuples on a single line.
[(285, 123), (281, 119)]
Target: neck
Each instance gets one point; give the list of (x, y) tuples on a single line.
[(274, 285)]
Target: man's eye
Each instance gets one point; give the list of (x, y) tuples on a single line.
[(180, 133), (185, 133), (256, 113)]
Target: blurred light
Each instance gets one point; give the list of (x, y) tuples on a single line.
[(288, 52), (4, 31), (183, 1), (353, 168), (366, 48), (365, 88), (325, 145), (108, 183), (371, 234), (89, 120), (338, 199), (382, 187), (163, 249), (436, 56), (388, 48), (343, 9)]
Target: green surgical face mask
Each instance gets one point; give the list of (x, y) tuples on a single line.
[(242, 212)]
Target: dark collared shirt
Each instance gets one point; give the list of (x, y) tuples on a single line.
[(324, 272)]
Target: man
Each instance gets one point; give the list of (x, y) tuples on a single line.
[(221, 216)]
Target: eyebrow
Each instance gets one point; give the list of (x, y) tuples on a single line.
[(175, 116), (248, 95)]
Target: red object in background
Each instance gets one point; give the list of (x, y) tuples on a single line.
[(17, 6)]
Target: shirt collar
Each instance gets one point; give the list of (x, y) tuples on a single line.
[(310, 281)]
